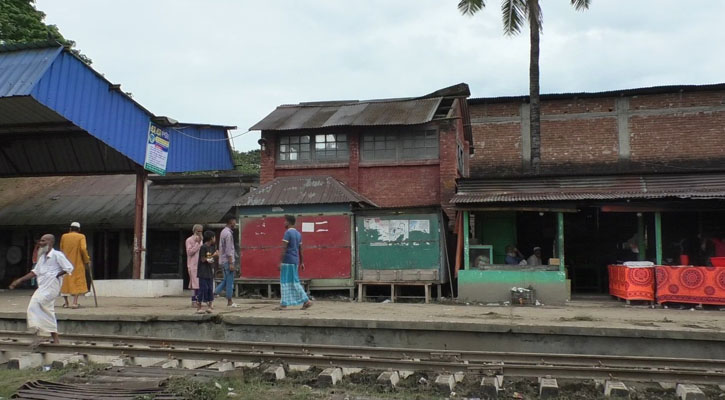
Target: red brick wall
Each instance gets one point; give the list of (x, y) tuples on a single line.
[(668, 132), (400, 184)]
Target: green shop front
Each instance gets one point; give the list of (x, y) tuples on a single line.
[(582, 225), (404, 247)]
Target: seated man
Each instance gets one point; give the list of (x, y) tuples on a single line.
[(535, 259), (514, 256)]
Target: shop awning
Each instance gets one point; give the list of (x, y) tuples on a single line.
[(701, 186)]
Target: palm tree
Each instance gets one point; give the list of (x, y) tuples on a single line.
[(515, 12)]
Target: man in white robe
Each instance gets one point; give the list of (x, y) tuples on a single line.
[(49, 270)]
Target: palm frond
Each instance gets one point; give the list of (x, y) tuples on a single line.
[(514, 13), (470, 7), (580, 5)]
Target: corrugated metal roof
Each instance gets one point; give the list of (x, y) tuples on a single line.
[(608, 93), (109, 199), (303, 190), (612, 187), (21, 70), (49, 86), (354, 113)]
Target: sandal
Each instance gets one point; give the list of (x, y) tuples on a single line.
[(65, 305), (307, 305), (75, 306), (208, 311), (200, 312)]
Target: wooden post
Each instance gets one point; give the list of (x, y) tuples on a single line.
[(560, 239), (658, 237), (139, 227), (642, 255), (466, 229)]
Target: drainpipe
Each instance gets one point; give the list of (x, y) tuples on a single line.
[(658, 237), (560, 239), (466, 228)]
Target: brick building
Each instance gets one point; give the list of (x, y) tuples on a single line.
[(625, 175), (396, 152)]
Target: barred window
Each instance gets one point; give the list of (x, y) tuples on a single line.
[(419, 145), (310, 148)]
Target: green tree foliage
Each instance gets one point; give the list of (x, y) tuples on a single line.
[(21, 22), (248, 162)]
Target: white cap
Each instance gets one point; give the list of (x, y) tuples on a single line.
[(75, 225), (537, 248)]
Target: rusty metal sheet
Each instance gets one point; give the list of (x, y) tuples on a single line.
[(303, 190), (612, 187), (354, 113), (109, 200)]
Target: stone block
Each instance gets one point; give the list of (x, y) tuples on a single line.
[(548, 388), (330, 376), (667, 385), (65, 361), (223, 366), (246, 364), (405, 373), (274, 373), (616, 389), (445, 382), (299, 367), (690, 392), (24, 361), (147, 361), (389, 378), (349, 371), (489, 387), (459, 376)]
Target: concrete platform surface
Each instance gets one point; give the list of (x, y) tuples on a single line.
[(598, 317)]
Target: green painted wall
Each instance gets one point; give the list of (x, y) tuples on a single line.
[(515, 278), (497, 229), (381, 244)]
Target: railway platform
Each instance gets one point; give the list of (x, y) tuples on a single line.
[(586, 326)]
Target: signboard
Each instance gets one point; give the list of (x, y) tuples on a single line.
[(157, 150)]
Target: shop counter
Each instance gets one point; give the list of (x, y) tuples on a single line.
[(690, 284), (632, 282)]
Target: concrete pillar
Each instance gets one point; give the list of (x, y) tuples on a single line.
[(525, 114), (658, 237), (466, 229), (560, 239), (623, 135)]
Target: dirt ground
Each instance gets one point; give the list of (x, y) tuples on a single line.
[(602, 312)]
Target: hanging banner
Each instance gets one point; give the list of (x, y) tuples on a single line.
[(157, 150)]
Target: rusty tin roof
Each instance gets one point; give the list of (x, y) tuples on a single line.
[(611, 187), (303, 190)]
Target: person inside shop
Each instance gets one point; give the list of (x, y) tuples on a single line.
[(535, 259), (514, 256)]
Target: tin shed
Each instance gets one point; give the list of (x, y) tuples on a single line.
[(323, 207)]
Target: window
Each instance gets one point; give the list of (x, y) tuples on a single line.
[(310, 148), (419, 145)]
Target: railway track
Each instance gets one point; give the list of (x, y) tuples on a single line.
[(574, 366)]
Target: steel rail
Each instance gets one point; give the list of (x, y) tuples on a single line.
[(354, 360), (401, 353)]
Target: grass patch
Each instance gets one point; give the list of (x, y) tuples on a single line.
[(12, 379)]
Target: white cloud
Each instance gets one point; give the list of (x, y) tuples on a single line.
[(232, 62)]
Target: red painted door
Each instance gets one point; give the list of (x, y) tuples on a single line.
[(326, 247)]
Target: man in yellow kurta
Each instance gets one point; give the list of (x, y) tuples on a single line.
[(73, 245)]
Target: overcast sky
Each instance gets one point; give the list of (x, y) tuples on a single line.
[(232, 62)]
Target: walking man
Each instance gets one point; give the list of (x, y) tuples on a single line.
[(292, 292), (73, 245), (226, 259), (49, 269), (193, 244)]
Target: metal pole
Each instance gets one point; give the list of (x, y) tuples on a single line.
[(560, 239), (466, 228), (658, 237), (642, 255), (138, 227)]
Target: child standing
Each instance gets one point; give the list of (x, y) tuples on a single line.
[(205, 272)]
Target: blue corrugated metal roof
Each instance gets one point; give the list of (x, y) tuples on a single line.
[(57, 80), (21, 70)]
